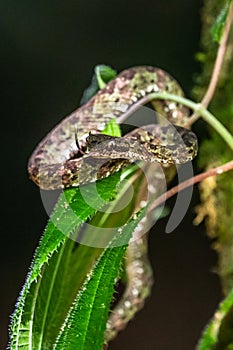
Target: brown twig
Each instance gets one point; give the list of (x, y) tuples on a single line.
[(217, 66), (198, 178)]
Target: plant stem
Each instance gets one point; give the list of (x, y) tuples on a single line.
[(198, 178), (219, 59), (217, 125), (197, 107), (217, 65)]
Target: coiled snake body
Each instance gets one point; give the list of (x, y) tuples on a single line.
[(62, 160), (57, 161)]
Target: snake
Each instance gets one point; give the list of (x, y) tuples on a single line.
[(76, 152)]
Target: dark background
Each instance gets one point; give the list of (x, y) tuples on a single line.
[(48, 51)]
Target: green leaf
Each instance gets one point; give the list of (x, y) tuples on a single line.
[(32, 326), (60, 267), (112, 128), (218, 27), (85, 325), (102, 75), (218, 334)]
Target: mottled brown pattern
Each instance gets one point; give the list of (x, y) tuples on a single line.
[(52, 157)]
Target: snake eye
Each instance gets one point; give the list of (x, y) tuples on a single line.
[(93, 140)]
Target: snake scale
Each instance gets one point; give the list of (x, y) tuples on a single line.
[(75, 153), (57, 161)]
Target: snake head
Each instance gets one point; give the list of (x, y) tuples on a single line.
[(96, 139)]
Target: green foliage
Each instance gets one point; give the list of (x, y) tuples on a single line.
[(58, 269), (222, 106), (218, 26), (102, 75), (217, 194), (112, 128), (214, 334), (85, 324)]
